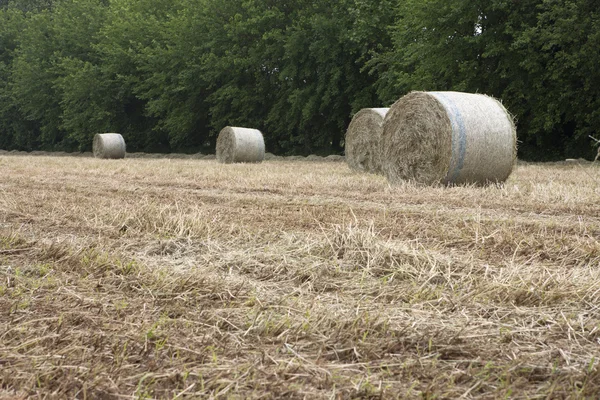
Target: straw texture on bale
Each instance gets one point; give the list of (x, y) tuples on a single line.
[(109, 145), (363, 140), (237, 145), (448, 137)]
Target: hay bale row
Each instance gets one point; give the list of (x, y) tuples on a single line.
[(235, 145), (109, 146), (439, 137)]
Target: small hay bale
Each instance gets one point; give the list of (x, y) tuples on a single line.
[(448, 137), (109, 145), (362, 143), (238, 145)]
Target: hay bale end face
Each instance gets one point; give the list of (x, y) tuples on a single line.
[(109, 145), (449, 138), (240, 145), (362, 143)]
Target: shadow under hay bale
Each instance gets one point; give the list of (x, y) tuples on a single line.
[(238, 145), (363, 137), (109, 146), (448, 137)]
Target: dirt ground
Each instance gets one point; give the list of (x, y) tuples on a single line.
[(184, 278)]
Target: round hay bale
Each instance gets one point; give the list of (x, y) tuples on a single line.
[(448, 137), (362, 143), (235, 145), (109, 145)]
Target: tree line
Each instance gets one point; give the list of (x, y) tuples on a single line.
[(169, 74)]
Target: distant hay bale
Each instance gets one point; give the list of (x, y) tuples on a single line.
[(237, 145), (363, 138), (448, 137), (109, 145)]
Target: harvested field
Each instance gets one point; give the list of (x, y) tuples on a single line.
[(178, 278)]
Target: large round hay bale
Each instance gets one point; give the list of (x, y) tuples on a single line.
[(448, 137), (109, 145), (236, 145), (362, 143)]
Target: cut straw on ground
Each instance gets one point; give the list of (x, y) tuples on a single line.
[(294, 280)]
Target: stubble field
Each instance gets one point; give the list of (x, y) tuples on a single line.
[(161, 278)]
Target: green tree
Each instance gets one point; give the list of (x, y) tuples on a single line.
[(132, 27), (51, 44), (291, 69), (322, 75), (171, 79), (32, 81), (535, 55), (15, 132)]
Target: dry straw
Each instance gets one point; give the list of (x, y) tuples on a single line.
[(236, 145), (363, 140), (109, 145), (448, 137)]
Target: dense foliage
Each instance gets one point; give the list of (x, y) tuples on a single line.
[(169, 74)]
